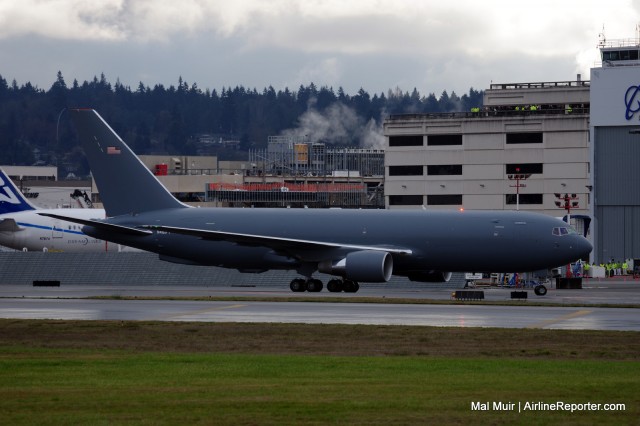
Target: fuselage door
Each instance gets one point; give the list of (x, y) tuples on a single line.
[(520, 230), (56, 230)]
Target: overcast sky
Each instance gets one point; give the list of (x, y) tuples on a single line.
[(432, 45)]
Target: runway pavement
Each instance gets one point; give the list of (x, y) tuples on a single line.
[(69, 302)]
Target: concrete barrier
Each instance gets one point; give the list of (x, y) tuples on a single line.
[(469, 295), (519, 294)]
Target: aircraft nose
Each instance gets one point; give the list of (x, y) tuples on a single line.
[(583, 246)]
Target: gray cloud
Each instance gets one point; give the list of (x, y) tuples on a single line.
[(373, 44)]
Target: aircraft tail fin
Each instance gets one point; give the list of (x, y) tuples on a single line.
[(126, 185), (11, 199)]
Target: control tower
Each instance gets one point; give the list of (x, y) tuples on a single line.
[(615, 150)]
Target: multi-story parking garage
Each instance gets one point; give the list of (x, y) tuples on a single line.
[(527, 145)]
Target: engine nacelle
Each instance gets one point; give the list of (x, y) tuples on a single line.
[(366, 266), (430, 276)]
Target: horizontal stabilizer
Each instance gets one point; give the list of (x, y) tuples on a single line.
[(100, 225), (9, 225), (278, 243)]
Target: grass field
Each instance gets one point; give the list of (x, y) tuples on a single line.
[(95, 372)]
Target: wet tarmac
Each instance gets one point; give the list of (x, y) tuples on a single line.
[(71, 302)]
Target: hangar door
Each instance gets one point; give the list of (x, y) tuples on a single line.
[(616, 171)]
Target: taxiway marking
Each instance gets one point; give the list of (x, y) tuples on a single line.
[(200, 311), (559, 319)]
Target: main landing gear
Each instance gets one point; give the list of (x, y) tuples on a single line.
[(313, 285)]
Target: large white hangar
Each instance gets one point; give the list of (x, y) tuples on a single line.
[(615, 132)]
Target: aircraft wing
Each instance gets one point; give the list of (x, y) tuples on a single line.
[(9, 225), (278, 243), (100, 225)]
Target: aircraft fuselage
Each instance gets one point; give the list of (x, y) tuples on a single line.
[(496, 241)]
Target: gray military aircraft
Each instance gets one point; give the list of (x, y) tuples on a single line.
[(355, 245)]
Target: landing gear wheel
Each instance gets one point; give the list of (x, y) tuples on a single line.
[(314, 286), (351, 286), (335, 286), (540, 290), (298, 285)]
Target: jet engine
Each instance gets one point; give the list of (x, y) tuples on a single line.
[(365, 266), (430, 276)]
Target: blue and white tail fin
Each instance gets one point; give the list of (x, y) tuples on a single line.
[(11, 199), (125, 184)]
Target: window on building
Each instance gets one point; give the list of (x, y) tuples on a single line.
[(528, 168), (444, 200), (406, 140), (524, 199), (527, 137), (620, 55), (439, 140), (406, 170), (405, 200), (444, 169)]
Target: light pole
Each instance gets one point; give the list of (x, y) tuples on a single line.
[(567, 202), (518, 177), (58, 134), (58, 124)]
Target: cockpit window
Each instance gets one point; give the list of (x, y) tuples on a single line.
[(563, 230)]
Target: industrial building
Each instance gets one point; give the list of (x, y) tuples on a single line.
[(298, 156), (289, 173), (296, 172)]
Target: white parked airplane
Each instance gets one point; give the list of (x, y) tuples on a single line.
[(21, 228)]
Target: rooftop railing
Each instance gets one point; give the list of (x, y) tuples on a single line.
[(540, 85)]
